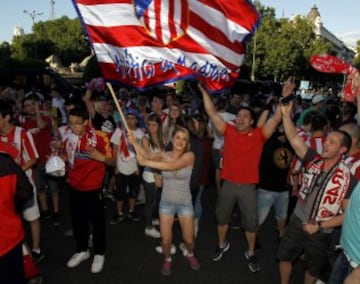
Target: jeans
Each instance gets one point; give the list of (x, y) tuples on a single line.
[(198, 205), (152, 200), (341, 270), (267, 199)]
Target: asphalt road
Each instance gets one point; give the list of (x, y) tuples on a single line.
[(131, 256)]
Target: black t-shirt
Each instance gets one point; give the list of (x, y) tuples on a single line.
[(106, 125), (274, 165)]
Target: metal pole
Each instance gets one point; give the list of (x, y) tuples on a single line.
[(33, 15)]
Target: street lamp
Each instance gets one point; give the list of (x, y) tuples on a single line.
[(33, 14)]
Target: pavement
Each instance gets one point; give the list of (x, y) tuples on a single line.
[(131, 256)]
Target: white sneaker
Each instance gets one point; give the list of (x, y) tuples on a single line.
[(172, 250), (155, 222), (98, 263), (77, 258), (152, 233)]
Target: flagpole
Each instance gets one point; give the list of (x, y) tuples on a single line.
[(123, 119)]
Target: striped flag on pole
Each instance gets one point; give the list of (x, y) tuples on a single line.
[(148, 42)]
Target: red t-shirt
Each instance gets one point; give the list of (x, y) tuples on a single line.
[(88, 174), (242, 153), (11, 230), (42, 137)]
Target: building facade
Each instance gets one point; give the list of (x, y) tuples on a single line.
[(339, 48)]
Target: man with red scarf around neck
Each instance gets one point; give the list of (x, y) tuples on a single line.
[(326, 187)]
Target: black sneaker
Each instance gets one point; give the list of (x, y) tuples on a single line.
[(134, 216), (117, 219), (37, 257), (56, 219), (109, 195), (253, 263), (38, 279), (220, 251), (45, 215)]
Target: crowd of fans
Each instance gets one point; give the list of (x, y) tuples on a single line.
[(265, 151)]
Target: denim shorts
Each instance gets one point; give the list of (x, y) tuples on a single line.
[(172, 208), (267, 199)]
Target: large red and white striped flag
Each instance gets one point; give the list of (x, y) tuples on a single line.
[(148, 42)]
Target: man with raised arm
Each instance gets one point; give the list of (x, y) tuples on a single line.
[(243, 145), (326, 186)]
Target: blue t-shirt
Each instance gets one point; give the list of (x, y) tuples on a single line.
[(350, 236)]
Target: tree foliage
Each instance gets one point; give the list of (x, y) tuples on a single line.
[(63, 37), (283, 47), (357, 58), (69, 40)]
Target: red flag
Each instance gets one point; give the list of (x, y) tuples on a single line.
[(332, 64), (149, 42), (123, 145)]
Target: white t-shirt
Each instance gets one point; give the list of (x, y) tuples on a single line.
[(218, 137), (126, 165), (148, 174), (58, 103)]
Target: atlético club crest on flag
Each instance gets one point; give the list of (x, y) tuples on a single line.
[(143, 43), (166, 20)]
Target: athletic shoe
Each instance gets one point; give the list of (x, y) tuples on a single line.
[(77, 258), (253, 263), (152, 232), (37, 257), (117, 219), (134, 216), (220, 251), (166, 268), (98, 263), (155, 222), (194, 263), (172, 250), (108, 195), (45, 215)]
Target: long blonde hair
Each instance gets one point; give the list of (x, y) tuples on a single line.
[(186, 132)]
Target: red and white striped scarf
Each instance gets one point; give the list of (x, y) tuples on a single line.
[(331, 191), (74, 142)]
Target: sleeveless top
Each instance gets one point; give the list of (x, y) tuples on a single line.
[(176, 186)]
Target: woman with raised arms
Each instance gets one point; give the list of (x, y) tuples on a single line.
[(176, 167)]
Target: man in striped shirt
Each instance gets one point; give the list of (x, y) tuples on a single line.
[(27, 158)]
